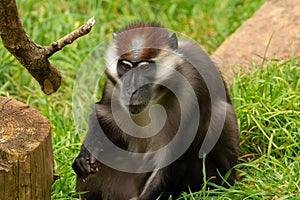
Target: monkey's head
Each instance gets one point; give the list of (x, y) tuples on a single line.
[(134, 61)]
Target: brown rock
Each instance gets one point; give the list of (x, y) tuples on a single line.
[(276, 22)]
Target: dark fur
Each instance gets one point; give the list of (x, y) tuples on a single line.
[(183, 174)]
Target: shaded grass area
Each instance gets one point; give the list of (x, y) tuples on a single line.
[(266, 100)]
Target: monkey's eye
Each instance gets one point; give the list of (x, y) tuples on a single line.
[(126, 64), (144, 65), (123, 66)]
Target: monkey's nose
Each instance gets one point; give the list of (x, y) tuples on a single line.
[(131, 92)]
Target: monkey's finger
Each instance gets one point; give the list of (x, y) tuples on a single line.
[(93, 164), (92, 160)]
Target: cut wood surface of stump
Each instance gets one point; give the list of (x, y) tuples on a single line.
[(26, 158)]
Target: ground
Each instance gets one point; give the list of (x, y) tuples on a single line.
[(266, 99)]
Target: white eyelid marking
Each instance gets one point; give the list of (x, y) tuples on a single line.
[(127, 63), (143, 63)]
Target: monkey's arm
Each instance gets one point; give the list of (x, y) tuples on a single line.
[(85, 164)]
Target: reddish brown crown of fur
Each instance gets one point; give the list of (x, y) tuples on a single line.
[(141, 41)]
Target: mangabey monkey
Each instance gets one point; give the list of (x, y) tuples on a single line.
[(143, 63)]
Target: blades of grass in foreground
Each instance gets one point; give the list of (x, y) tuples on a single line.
[(266, 99), (267, 102)]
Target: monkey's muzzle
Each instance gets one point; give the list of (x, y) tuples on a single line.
[(136, 109), (137, 100)]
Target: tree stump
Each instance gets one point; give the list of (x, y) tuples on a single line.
[(26, 157)]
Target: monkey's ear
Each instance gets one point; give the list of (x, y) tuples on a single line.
[(114, 35), (173, 41)]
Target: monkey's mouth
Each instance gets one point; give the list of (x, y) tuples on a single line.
[(136, 109)]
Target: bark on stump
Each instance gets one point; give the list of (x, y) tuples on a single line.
[(26, 158)]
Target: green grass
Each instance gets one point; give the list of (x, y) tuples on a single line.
[(267, 100), (267, 103)]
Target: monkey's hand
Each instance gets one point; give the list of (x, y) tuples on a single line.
[(85, 164)]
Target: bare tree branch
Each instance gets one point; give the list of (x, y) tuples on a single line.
[(31, 55), (68, 39)]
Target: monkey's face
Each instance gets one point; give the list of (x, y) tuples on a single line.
[(141, 51), (136, 83)]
